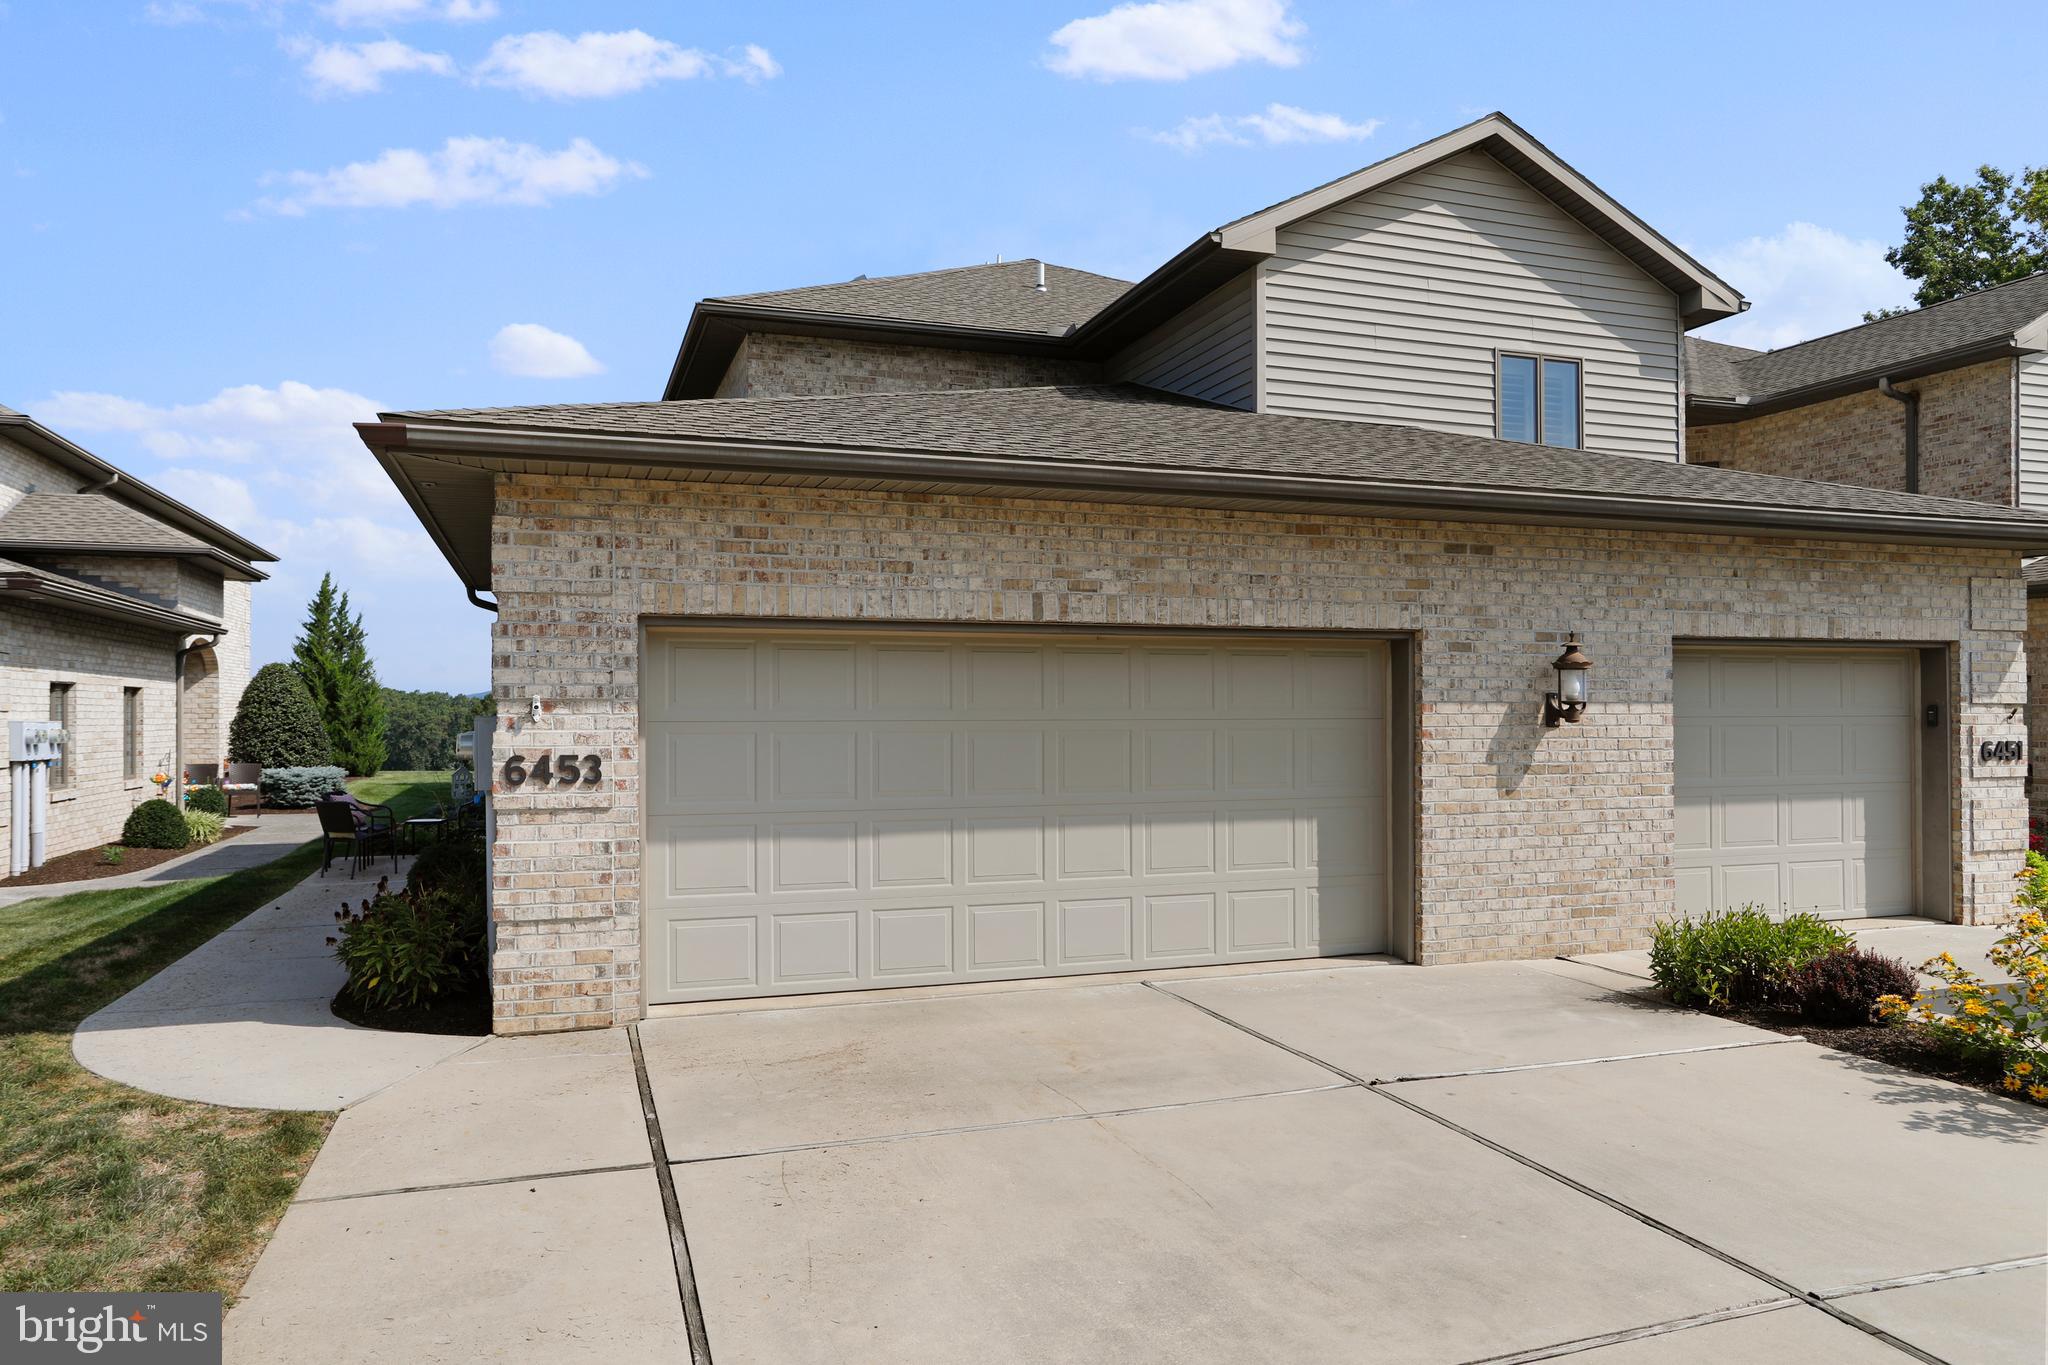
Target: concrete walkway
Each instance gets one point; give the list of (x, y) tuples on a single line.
[(243, 1020), (1504, 1162), (269, 838)]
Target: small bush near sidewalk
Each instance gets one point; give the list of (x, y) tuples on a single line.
[(299, 787), (1841, 989), (2003, 1029), (1734, 960), (155, 823), (204, 827), (212, 800), (415, 958)]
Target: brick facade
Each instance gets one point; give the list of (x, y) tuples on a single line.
[(774, 366), (1529, 841), (1966, 438), (2037, 706)]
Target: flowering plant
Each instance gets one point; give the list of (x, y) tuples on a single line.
[(2005, 1025)]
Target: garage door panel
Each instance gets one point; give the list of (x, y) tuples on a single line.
[(898, 812), (1804, 799)]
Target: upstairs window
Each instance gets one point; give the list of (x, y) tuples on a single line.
[(1539, 400)]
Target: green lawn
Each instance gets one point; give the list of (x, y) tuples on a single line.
[(103, 1187)]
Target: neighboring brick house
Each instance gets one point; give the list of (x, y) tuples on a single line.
[(123, 613), (1949, 400), (1021, 622)]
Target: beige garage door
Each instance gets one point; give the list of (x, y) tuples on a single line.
[(834, 811), (1795, 780)]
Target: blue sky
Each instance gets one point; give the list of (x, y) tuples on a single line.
[(231, 227)]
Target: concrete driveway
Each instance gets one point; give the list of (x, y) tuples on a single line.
[(1346, 1162)]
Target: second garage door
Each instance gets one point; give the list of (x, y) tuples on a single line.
[(1795, 780), (833, 811)]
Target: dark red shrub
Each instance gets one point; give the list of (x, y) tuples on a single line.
[(1840, 989)]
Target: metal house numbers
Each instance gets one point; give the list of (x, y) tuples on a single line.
[(563, 770), (2001, 751)]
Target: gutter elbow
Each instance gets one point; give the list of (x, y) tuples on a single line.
[(476, 601)]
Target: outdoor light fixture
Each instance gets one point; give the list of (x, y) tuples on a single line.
[(1568, 703)]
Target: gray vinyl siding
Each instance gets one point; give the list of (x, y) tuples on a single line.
[(1390, 308), (1207, 351), (2033, 430)]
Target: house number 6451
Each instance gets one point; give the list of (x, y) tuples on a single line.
[(566, 770), (2001, 751)]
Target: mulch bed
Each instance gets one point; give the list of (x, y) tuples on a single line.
[(88, 864), (467, 1014), (1899, 1045)]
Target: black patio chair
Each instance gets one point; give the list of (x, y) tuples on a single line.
[(343, 825)]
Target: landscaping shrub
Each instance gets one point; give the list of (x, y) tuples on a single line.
[(401, 949), (1727, 961), (210, 799), (1841, 989), (277, 724), (2001, 1027), (299, 786), (112, 855), (155, 823), (204, 827)]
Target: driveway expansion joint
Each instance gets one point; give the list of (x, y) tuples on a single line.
[(1777, 1282), (672, 1209), (473, 1184), (1931, 1277), (1578, 1345)]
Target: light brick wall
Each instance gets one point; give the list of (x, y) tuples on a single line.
[(99, 658), (235, 654), (1966, 433), (1531, 841), (24, 471), (772, 366), (2037, 706)]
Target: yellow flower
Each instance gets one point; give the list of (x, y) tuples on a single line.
[(2022, 1068), (2038, 1092), (1975, 1008), (2011, 1083)]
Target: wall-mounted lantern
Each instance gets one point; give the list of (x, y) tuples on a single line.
[(1568, 703)]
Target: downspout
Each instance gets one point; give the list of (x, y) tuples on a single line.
[(1912, 402), (178, 716)]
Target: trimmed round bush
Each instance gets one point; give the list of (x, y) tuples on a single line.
[(277, 723), (155, 823), (212, 800)]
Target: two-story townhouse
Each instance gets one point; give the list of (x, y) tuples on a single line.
[(125, 615), (1013, 621), (1949, 400)]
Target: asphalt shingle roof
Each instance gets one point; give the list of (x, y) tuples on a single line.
[(90, 520), (1971, 320), (997, 297), (1129, 425)]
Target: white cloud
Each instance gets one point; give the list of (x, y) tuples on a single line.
[(347, 12), (293, 422), (360, 68), (600, 65), (466, 170), (1170, 40), (537, 352), (1276, 124), (1805, 281)]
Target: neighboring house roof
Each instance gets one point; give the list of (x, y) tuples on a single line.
[(2006, 319), (1137, 444), (40, 587), (2035, 572), (1002, 297), (130, 491), (1103, 317), (95, 524)]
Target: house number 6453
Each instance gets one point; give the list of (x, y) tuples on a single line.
[(565, 770)]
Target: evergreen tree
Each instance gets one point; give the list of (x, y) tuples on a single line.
[(277, 723), (332, 657)]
